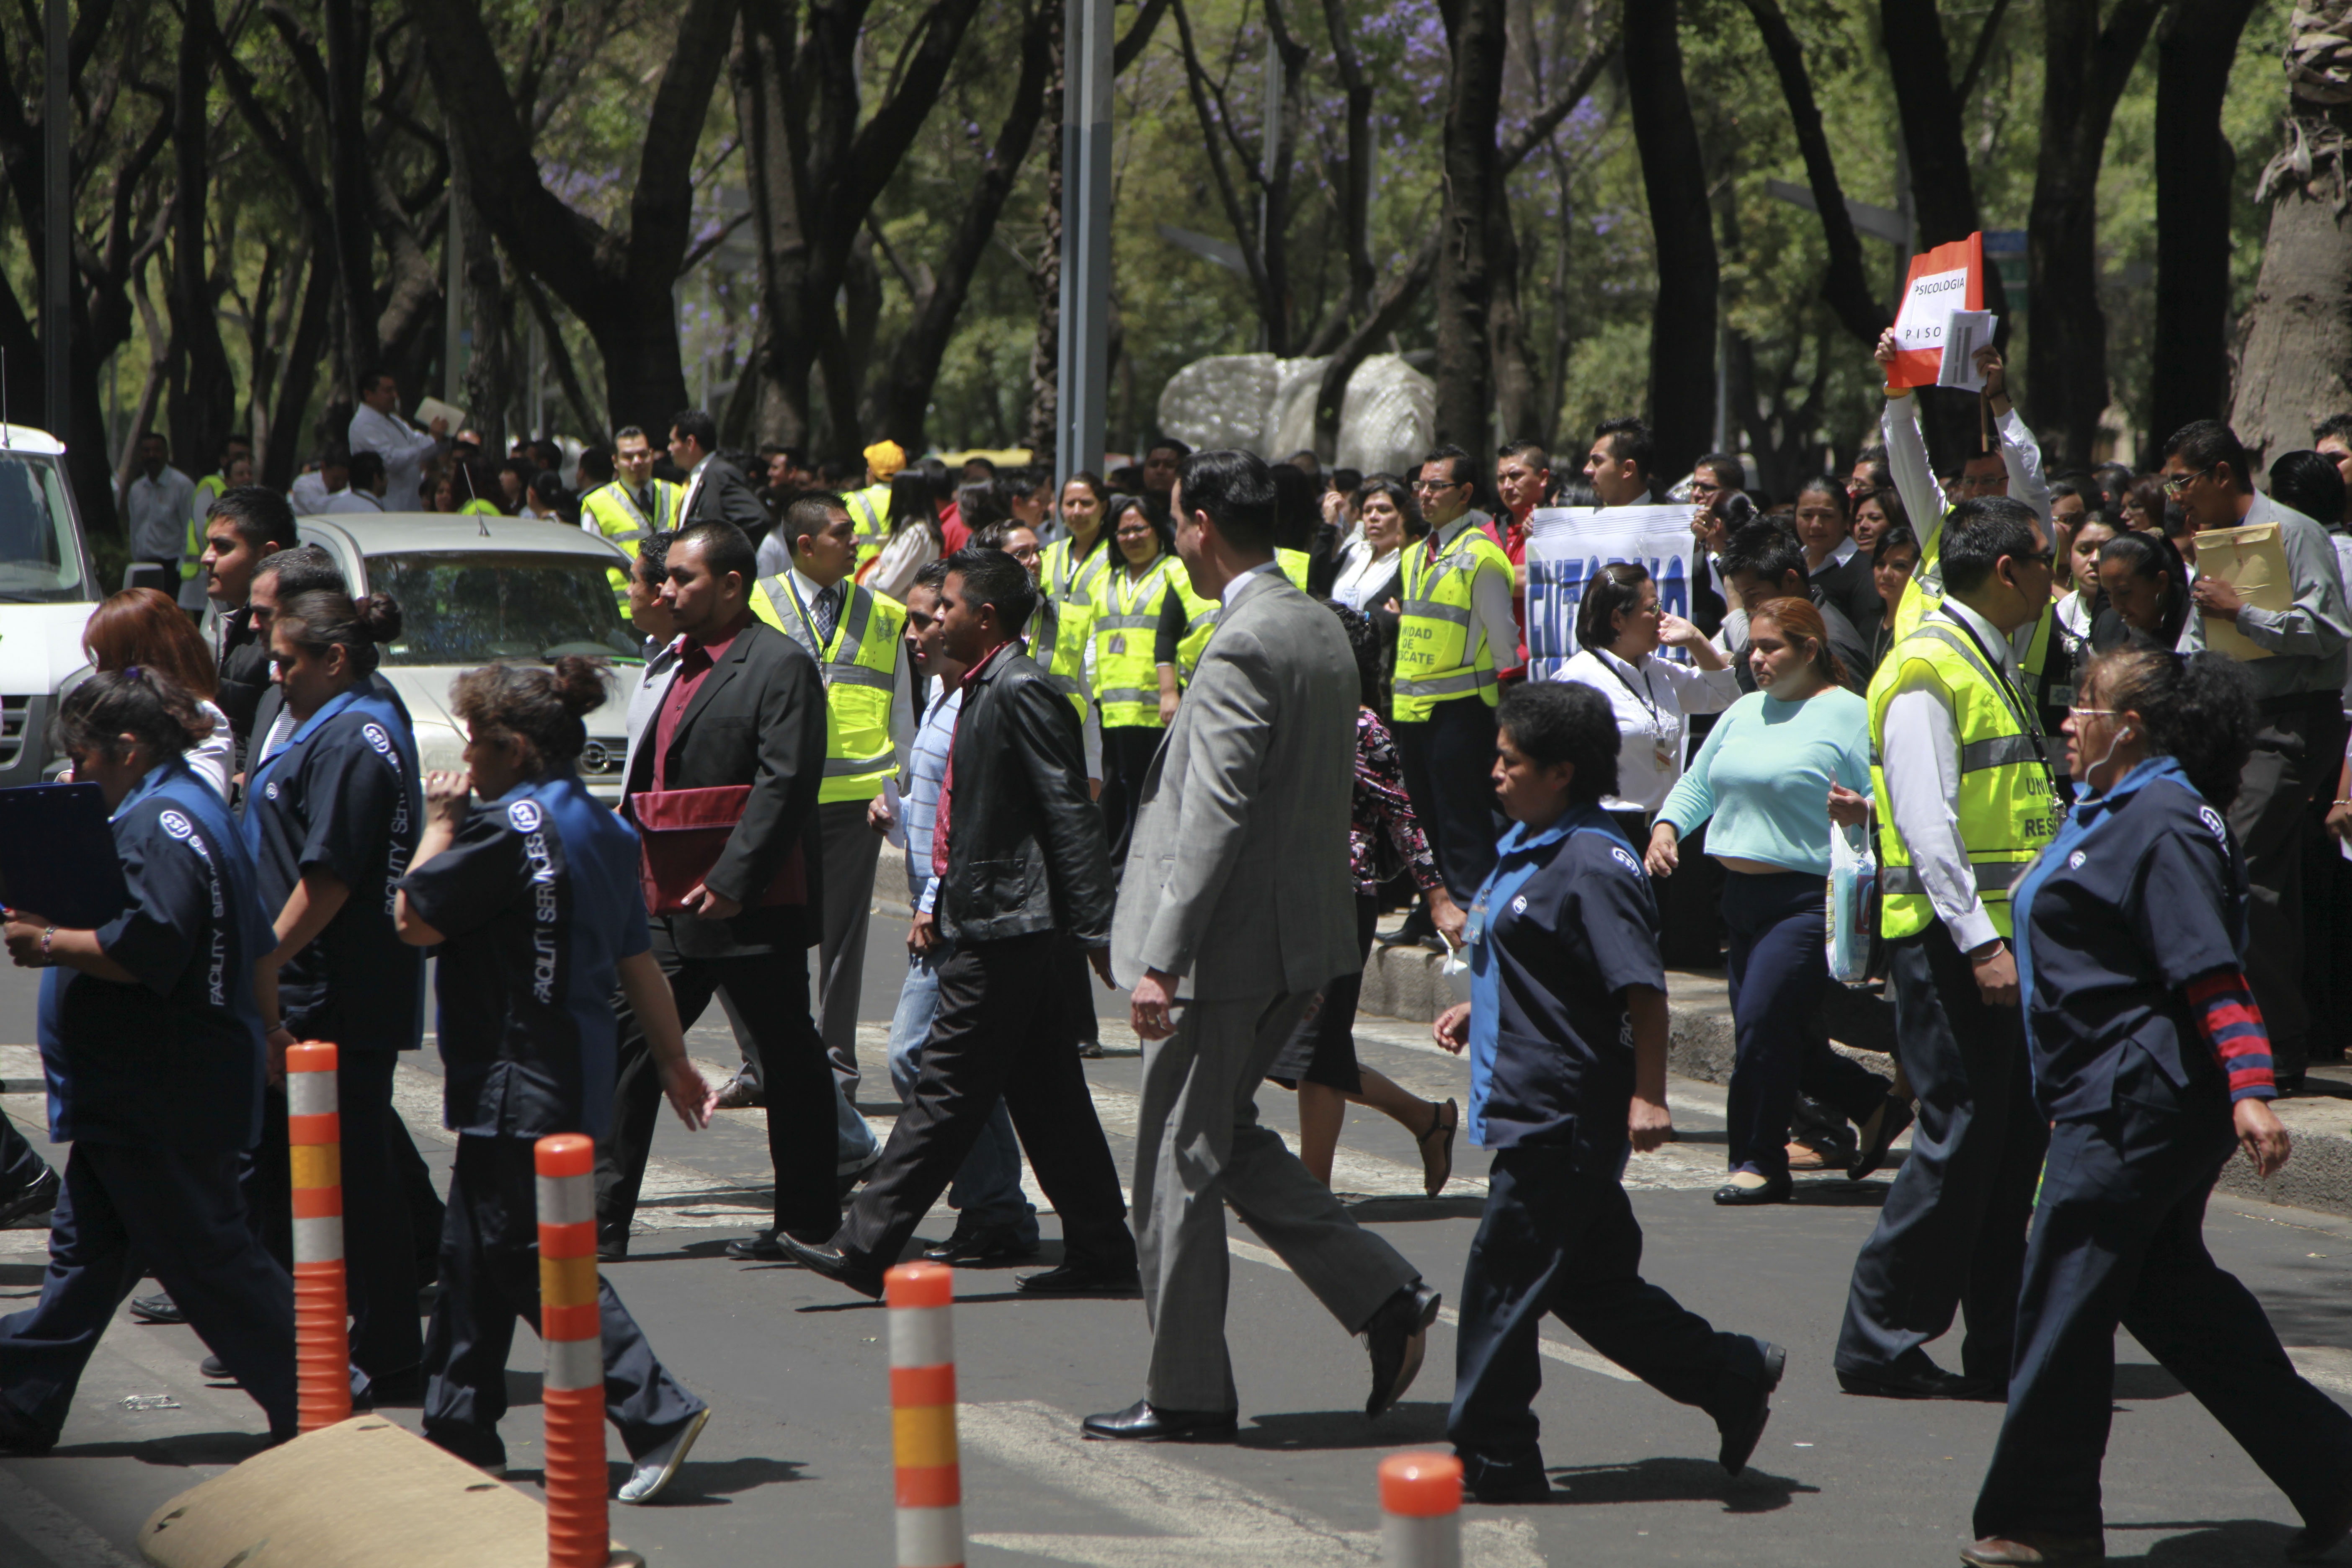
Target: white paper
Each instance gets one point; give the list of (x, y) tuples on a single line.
[(432, 408), (1966, 331), (897, 836), (1927, 309)]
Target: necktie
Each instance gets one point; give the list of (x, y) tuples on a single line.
[(826, 611)]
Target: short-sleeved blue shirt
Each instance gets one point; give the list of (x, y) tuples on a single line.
[(1563, 926), (173, 1061), (539, 900), (343, 795), (2142, 891)]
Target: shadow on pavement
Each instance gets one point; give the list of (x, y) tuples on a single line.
[(1396, 1210), (2207, 1543), (1414, 1421), (179, 1451), (1675, 1480)]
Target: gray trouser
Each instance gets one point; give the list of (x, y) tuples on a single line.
[(1200, 1147), (852, 850)]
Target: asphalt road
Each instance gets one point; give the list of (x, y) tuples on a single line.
[(796, 1468)]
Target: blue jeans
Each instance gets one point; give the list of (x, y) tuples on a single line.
[(987, 1190)]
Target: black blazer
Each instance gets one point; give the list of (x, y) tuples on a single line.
[(244, 675), (727, 497), (1026, 849), (757, 719), (1855, 590)]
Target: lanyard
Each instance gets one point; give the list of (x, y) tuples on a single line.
[(1647, 701), (1156, 574), (1073, 565)]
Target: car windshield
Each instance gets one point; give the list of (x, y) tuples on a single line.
[(39, 562), (470, 606)]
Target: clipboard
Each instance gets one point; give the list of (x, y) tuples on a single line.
[(57, 857)]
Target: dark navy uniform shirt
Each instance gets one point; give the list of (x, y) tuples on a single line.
[(541, 900), (1565, 923), (2142, 891), (343, 795), (176, 1060)]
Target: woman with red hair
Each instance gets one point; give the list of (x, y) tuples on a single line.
[(143, 628)]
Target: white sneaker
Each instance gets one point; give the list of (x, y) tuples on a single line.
[(657, 1469)]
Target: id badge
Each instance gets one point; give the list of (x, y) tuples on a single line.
[(1664, 750), (1474, 925), (1118, 644)]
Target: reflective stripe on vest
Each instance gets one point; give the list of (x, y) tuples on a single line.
[(860, 672), (1126, 630), (869, 511), (1064, 624), (1434, 663), (2007, 808), (1199, 620)]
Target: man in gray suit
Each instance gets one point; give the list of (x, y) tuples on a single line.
[(1237, 900)]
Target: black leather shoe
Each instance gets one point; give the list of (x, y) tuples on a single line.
[(213, 1367), (1144, 1422), (1080, 1278), (1741, 1431), (2318, 1536), (30, 1209), (1879, 1135), (157, 1309), (19, 1436), (1930, 1382), (1775, 1190), (983, 1244), (1418, 928), (1396, 1337), (835, 1265), (740, 1094), (759, 1247)]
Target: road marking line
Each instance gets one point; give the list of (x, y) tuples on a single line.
[(1194, 1518), (62, 1541)]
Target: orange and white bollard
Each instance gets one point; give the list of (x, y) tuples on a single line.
[(570, 1326), (1421, 1510), (314, 1137), (923, 1415)]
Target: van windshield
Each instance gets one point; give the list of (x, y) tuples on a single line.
[(40, 562)]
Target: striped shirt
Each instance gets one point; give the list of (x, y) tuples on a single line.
[(927, 766)]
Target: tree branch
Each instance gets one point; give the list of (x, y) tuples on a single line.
[(1538, 131)]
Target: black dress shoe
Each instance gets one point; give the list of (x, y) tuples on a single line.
[(1930, 1382), (213, 1367), (157, 1309), (1144, 1422), (983, 1244), (1396, 1337), (1741, 1431), (759, 1247), (1418, 928), (835, 1265), (740, 1094), (1879, 1135), (30, 1209), (1775, 1190), (2318, 1536), (1080, 1278)]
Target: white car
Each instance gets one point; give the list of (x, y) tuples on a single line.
[(46, 593), (473, 590)]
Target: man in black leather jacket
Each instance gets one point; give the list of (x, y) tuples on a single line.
[(1024, 868)]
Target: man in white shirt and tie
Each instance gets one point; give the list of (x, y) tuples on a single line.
[(377, 426), (715, 489)]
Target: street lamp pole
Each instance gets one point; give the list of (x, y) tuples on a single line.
[(1083, 373)]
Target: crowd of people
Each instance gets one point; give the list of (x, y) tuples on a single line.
[(1191, 730)]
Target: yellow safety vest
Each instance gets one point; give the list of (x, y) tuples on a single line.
[(1294, 566), (2008, 808), (1434, 662), (621, 521), (477, 507), (1064, 618), (869, 511), (191, 558), (1199, 620), (1126, 627), (860, 666)]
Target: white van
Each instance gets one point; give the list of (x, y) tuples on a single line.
[(47, 590)]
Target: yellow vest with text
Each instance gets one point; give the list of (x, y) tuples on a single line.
[(860, 666), (869, 511), (2007, 808), (616, 513), (1127, 627), (1434, 660)]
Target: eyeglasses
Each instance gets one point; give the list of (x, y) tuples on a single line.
[(2090, 712), (1438, 484), (1025, 554), (2180, 482)]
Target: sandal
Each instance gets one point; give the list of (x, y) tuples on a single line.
[(1436, 1171)]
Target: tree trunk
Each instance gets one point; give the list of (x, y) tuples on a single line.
[(2190, 377), (288, 440), (1045, 279), (352, 180), (1475, 42), (900, 403), (2293, 371), (1682, 322), (1943, 191), (206, 401), (2085, 67), (1847, 287), (488, 382), (1517, 416)]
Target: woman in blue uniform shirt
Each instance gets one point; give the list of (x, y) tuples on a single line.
[(151, 1031), (536, 896), (331, 813), (2150, 1059), (1566, 1033)]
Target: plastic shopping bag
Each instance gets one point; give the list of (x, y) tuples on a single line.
[(1852, 903)]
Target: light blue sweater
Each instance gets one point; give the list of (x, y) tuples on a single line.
[(1764, 776)]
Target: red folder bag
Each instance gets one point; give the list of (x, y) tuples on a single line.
[(683, 831)]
